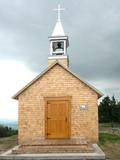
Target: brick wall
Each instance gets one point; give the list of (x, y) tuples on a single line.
[(64, 61), (57, 82)]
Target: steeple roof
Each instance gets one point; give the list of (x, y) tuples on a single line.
[(58, 29)]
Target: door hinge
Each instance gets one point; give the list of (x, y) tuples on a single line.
[(48, 118)]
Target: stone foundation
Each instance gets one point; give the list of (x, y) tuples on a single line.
[(79, 145)]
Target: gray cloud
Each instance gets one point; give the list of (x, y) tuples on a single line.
[(93, 27)]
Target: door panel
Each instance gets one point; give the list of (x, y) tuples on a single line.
[(57, 119)]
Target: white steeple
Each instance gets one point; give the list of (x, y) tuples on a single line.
[(58, 43), (58, 29)]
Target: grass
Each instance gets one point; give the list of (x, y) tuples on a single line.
[(108, 137), (110, 142), (105, 125)]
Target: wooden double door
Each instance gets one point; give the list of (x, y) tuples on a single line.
[(57, 119)]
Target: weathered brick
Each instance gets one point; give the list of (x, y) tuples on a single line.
[(57, 82)]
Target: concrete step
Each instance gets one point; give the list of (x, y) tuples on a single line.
[(72, 141), (54, 149), (96, 155)]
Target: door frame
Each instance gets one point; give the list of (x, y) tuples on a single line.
[(66, 98)]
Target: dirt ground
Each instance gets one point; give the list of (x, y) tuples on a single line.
[(110, 144), (112, 150), (7, 143)]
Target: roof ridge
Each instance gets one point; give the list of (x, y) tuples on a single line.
[(46, 70)]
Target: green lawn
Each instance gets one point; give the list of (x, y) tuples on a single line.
[(108, 137), (110, 140)]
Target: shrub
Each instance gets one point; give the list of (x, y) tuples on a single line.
[(6, 131)]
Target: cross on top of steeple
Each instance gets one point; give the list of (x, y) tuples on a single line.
[(58, 29), (59, 12)]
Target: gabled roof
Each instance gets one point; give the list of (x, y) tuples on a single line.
[(46, 70)]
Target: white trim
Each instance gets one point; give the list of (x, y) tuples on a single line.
[(65, 49), (51, 48), (58, 37), (58, 57)]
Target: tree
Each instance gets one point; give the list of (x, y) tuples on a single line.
[(116, 113), (109, 110), (7, 131), (104, 107), (112, 109)]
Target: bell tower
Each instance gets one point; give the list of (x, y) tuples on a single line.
[(59, 43)]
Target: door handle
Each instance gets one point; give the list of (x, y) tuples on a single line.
[(66, 119)]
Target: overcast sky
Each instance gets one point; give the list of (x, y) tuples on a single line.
[(93, 27)]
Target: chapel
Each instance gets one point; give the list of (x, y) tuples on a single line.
[(58, 108)]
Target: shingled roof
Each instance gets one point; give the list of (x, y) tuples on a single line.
[(46, 70)]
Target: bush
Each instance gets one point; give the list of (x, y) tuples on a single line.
[(6, 131), (109, 110)]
